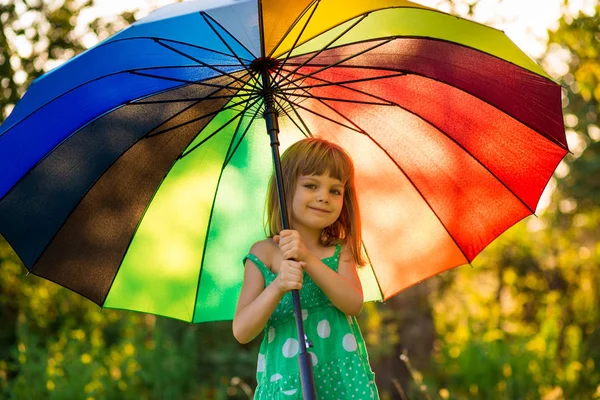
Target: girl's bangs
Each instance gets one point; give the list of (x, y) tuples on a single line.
[(325, 160)]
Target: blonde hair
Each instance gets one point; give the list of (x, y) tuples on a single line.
[(313, 156)]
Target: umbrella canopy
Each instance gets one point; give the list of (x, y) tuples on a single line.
[(135, 174)]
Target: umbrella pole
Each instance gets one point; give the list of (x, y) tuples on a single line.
[(304, 360)]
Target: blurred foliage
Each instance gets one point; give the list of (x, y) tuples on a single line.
[(37, 35), (522, 323), (579, 39)]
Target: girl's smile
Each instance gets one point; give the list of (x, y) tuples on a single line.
[(318, 210), (317, 201)]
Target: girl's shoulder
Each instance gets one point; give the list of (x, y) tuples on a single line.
[(345, 251), (265, 250), (267, 245)]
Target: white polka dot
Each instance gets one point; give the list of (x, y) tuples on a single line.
[(304, 315), (314, 358), (290, 348), (271, 334), (349, 342), (289, 392), (276, 377), (260, 365), (323, 329)]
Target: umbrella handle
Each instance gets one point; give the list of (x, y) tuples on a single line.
[(307, 378), (304, 360)]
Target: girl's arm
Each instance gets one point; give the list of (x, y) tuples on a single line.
[(257, 303), (343, 288)]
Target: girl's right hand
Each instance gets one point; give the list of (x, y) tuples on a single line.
[(290, 275)]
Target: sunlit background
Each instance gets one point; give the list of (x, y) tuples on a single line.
[(522, 323)]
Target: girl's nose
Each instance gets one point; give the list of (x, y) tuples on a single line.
[(323, 197)]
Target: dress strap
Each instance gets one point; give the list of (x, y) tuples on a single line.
[(259, 264), (337, 250)]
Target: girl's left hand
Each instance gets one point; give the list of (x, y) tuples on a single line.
[(291, 245)]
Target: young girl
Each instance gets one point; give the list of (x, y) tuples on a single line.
[(319, 257)]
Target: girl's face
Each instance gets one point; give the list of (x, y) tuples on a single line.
[(317, 202)]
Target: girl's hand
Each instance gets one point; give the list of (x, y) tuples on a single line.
[(291, 245), (289, 276)]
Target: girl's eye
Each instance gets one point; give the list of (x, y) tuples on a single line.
[(310, 186), (335, 191)]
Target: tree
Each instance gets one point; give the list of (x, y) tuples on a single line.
[(37, 35), (578, 41)]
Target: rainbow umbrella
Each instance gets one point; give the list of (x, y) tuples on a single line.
[(135, 173)]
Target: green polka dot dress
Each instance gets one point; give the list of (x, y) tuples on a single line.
[(339, 357)]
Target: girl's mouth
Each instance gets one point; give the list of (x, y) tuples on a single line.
[(319, 210)]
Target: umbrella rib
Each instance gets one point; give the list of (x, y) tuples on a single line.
[(182, 66), (285, 98), (289, 30), (199, 61), (212, 208), (243, 135), (358, 128), (201, 83), (207, 18), (199, 99), (274, 78), (261, 29), (342, 86), (156, 38), (163, 43), (55, 280), (187, 152), (234, 90), (179, 67), (327, 46), (195, 103), (202, 117), (470, 155), (343, 60), (317, 114), (331, 108), (374, 274), (282, 105), (380, 99), (312, 96), (418, 191), (339, 83), (305, 134)]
